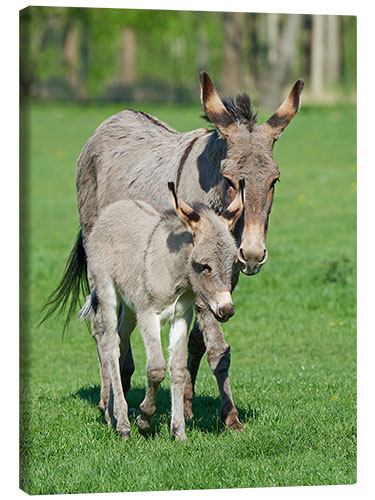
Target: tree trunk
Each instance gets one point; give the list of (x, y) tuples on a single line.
[(202, 58), (317, 57), (333, 50), (71, 55), (233, 43), (279, 72), (272, 38), (128, 58), (254, 48)]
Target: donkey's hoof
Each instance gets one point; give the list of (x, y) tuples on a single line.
[(144, 424), (188, 412), (232, 422), (102, 405)]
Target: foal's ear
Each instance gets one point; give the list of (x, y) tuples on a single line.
[(214, 107), (187, 214), (286, 111), (235, 209)]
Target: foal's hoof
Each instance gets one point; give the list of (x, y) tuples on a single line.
[(144, 425), (232, 422), (188, 412), (177, 433)]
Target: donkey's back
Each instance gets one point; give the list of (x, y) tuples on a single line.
[(130, 155)]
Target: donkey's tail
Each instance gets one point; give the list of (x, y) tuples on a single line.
[(72, 284)]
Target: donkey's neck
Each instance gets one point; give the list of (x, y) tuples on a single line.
[(215, 152), (201, 178), (216, 148)]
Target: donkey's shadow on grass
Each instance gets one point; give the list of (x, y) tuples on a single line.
[(205, 408)]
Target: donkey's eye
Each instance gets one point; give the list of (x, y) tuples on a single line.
[(205, 267), (230, 183)]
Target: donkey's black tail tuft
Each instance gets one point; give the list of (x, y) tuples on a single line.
[(72, 284)]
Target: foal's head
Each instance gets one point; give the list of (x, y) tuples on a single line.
[(249, 157), (214, 251)]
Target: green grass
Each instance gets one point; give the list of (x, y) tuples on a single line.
[(293, 338)]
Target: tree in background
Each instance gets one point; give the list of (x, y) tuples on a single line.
[(233, 60), (282, 48), (333, 50), (325, 56), (317, 56), (128, 56)]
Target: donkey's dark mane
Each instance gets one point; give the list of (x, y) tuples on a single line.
[(240, 110)]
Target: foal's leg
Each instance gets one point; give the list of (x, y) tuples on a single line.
[(105, 378), (177, 369), (127, 323), (109, 353), (218, 356), (149, 325), (96, 331)]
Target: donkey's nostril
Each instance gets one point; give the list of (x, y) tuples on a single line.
[(263, 256), (255, 255), (230, 311), (226, 311)]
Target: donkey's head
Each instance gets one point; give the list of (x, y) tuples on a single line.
[(249, 156), (214, 251)]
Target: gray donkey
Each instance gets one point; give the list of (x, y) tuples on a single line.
[(132, 153), (156, 265)]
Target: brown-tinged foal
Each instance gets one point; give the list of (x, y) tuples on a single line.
[(156, 265)]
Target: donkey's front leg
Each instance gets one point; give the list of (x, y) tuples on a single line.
[(218, 356), (177, 370), (196, 349), (149, 325)]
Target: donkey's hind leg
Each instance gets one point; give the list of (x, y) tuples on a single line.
[(96, 331), (108, 342), (127, 322), (104, 374), (149, 325)]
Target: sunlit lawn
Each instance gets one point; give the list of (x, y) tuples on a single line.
[(293, 337)]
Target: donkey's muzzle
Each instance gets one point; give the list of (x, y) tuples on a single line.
[(252, 252), (252, 264), (225, 312)]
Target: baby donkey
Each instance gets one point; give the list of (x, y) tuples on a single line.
[(155, 265)]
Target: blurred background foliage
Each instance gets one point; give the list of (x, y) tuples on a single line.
[(154, 55)]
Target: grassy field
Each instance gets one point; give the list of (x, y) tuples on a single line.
[(293, 337)]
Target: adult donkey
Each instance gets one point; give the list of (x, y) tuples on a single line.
[(133, 154)]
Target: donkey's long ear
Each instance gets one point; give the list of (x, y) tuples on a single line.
[(214, 107), (187, 214), (235, 209), (281, 118)]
